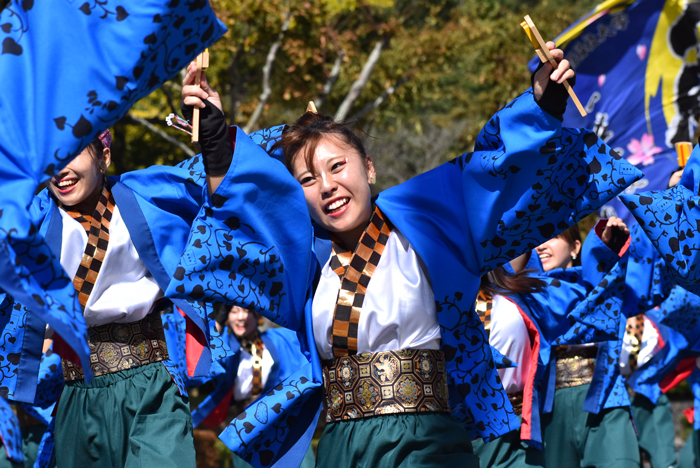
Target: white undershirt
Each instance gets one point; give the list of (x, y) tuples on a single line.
[(509, 335), (650, 346), (243, 385), (398, 311), (125, 290)]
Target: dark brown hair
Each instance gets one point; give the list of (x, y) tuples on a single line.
[(306, 133), (499, 281), (95, 148), (572, 235)]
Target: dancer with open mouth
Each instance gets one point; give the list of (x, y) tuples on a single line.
[(403, 362)]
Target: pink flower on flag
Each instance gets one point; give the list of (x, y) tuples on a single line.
[(642, 152)]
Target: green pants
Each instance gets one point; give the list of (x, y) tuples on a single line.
[(507, 451), (133, 418), (655, 430), (688, 458), (397, 440), (574, 438), (309, 460)]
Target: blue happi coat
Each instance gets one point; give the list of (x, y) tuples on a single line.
[(629, 286), (169, 212), (578, 305), (677, 321), (527, 180), (285, 350), (671, 219), (49, 388)]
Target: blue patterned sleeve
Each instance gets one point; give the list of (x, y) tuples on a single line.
[(533, 179), (10, 432), (670, 219), (527, 180), (647, 282), (245, 247)]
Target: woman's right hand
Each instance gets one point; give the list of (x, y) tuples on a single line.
[(675, 178), (194, 96), (615, 234)]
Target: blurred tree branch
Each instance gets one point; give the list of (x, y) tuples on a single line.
[(361, 81), (271, 55), (382, 97), (332, 78)]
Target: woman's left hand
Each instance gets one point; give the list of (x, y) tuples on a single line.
[(193, 95), (547, 72), (615, 234)]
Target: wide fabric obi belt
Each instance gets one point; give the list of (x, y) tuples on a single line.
[(388, 382), (115, 347), (575, 368)]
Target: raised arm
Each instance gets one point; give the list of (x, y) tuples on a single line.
[(527, 180), (217, 151)]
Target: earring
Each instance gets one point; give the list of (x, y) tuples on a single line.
[(372, 179), (573, 256)]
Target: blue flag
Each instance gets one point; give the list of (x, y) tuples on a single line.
[(71, 69), (637, 76)]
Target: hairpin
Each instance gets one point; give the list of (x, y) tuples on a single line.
[(105, 138)]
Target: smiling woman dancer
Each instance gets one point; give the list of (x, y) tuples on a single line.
[(120, 240), (526, 313), (587, 419), (391, 315)]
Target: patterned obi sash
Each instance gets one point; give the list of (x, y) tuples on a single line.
[(575, 368), (116, 347), (387, 382)]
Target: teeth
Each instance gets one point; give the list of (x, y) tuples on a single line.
[(543, 256), (66, 183), (337, 204)]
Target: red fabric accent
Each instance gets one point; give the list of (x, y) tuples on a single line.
[(684, 369), (195, 341), (690, 415), (62, 348), (526, 417), (219, 414), (600, 227)]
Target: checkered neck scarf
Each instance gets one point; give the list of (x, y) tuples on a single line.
[(97, 228), (484, 304), (255, 347), (635, 330), (355, 271)]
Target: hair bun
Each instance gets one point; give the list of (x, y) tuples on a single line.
[(313, 118)]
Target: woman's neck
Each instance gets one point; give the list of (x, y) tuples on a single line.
[(88, 205), (350, 239)]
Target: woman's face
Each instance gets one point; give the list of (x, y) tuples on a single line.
[(338, 196), (79, 180), (242, 322), (557, 253)]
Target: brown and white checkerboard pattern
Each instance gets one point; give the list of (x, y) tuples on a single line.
[(97, 228), (484, 304), (355, 272), (635, 330), (257, 352)]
